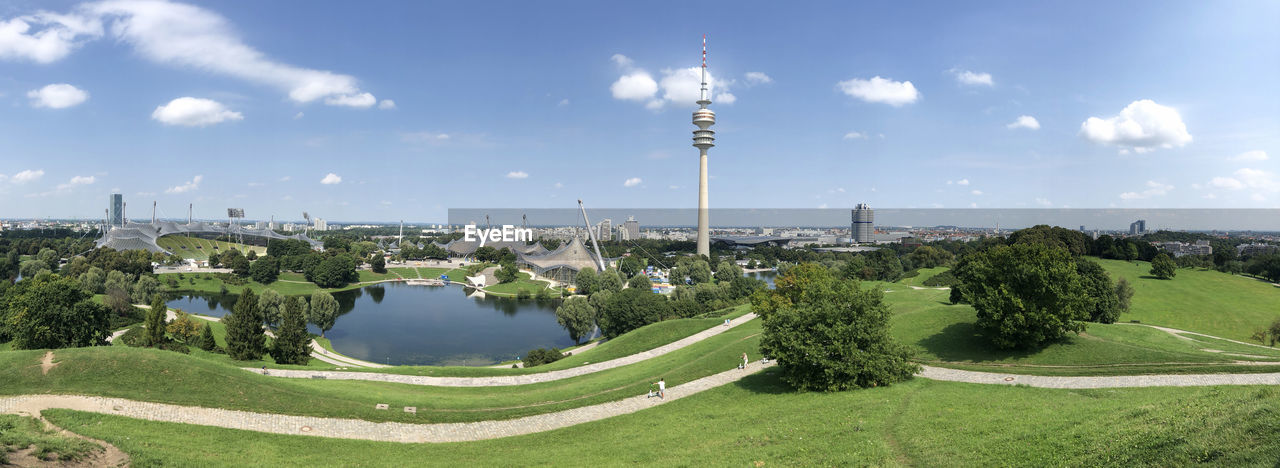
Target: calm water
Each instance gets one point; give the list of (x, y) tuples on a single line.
[(425, 325), (766, 276)]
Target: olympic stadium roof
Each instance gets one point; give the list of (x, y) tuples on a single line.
[(142, 236)]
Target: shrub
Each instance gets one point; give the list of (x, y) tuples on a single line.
[(184, 328), (133, 337), (945, 279), (524, 294), (542, 356)]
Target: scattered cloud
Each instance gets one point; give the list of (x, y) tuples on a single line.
[(970, 78), (297, 116), (188, 186), (286, 178), (637, 86), (1025, 121), (755, 78), (822, 206), (1251, 156), (1141, 127), (558, 185), (1043, 202), (169, 33), (27, 176), (855, 136), (673, 187), (622, 61), (57, 96), (880, 90), (331, 179), (964, 182), (976, 192), (1256, 180), (359, 101), (517, 175), (632, 182), (387, 104), (1154, 189), (563, 102), (680, 86), (424, 137), (194, 112)]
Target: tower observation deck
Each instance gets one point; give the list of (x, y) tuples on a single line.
[(703, 138)]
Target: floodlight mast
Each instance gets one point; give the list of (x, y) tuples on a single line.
[(592, 235)]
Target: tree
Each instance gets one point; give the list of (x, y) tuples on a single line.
[(630, 266), (245, 340), (184, 328), (32, 268), (118, 281), (540, 356), (335, 271), (1026, 295), (586, 281), (639, 282), (265, 270), (631, 309), (49, 257), (829, 334), (291, 344), (324, 311), (156, 317), (1163, 267), (252, 255), (929, 257), (507, 273), (271, 302), (52, 312), (238, 264), (207, 342), (1124, 294), (1104, 304), (92, 279), (727, 271), (609, 281), (378, 264), (576, 316), (144, 289)]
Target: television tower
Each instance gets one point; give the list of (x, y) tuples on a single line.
[(703, 139)]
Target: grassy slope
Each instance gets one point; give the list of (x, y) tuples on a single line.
[(1199, 300), (176, 243), (20, 432), (162, 376), (523, 283), (762, 423)]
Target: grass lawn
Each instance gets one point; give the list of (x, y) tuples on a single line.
[(522, 283), (200, 249), (20, 432), (209, 284), (944, 334), (925, 273), (1204, 301), (164, 376), (761, 422)]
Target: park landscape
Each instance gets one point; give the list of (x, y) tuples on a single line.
[(1196, 324)]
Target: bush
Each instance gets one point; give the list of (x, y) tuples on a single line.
[(133, 337), (945, 279), (542, 356), (830, 334), (524, 294)]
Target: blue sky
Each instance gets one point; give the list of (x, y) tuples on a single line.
[(417, 107)]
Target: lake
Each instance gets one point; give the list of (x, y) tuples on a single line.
[(399, 324)]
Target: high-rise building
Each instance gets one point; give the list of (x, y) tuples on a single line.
[(862, 229), (115, 210), (1138, 227), (703, 138), (320, 225), (604, 229), (630, 229)]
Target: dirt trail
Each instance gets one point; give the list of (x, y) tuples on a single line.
[(47, 363), (110, 456)]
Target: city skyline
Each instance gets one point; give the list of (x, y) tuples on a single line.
[(992, 107)]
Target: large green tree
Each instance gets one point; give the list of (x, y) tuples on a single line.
[(271, 302), (265, 270), (830, 334), (1163, 266), (507, 273), (324, 311), (1026, 295), (1104, 304), (587, 281), (245, 340), (630, 309), (52, 312), (727, 271), (292, 339), (156, 317), (576, 316)]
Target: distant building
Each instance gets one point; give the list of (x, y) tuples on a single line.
[(604, 230), (1178, 249), (261, 225), (320, 225), (1138, 228), (862, 229), (115, 210), (630, 229), (1081, 228), (1246, 250)]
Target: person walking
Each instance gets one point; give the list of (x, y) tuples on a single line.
[(662, 388), (744, 360)]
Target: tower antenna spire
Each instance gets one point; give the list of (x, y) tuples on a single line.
[(703, 139), (702, 98)]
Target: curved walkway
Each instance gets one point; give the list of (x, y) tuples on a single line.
[(507, 380), (1116, 381), (360, 429)]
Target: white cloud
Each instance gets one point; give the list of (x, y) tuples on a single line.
[(976, 192), (1226, 183), (563, 102), (1025, 121), (169, 33), (190, 185), (387, 104), (1141, 127), (855, 136), (637, 86), (27, 176), (755, 78), (962, 182), (682, 86), (331, 179), (194, 112), (1154, 189), (1043, 202), (726, 98), (822, 206), (298, 115), (621, 60), (973, 205), (673, 187), (1256, 180), (424, 137), (517, 175), (1251, 156), (632, 182), (57, 96), (969, 78), (76, 180), (359, 101), (286, 178), (558, 185), (881, 90)]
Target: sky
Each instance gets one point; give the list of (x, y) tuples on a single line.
[(382, 111)]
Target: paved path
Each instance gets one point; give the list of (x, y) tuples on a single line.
[(506, 380), (360, 429), (571, 352), (1118, 381)]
